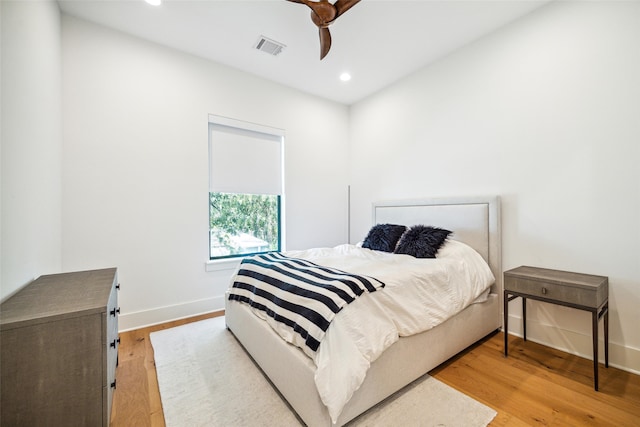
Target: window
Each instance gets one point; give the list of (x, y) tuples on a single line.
[(245, 188)]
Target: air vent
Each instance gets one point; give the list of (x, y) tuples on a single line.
[(269, 46)]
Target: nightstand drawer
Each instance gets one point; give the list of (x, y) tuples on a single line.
[(558, 286), (561, 293)]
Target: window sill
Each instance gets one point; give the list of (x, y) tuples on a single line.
[(222, 264)]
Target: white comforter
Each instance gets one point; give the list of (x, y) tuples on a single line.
[(419, 294)]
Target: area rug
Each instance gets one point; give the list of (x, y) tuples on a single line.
[(207, 379)]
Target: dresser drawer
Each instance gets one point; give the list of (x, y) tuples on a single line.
[(111, 353), (112, 341)]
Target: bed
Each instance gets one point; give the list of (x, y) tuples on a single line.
[(474, 221)]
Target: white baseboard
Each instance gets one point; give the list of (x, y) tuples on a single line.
[(142, 319), (620, 356)]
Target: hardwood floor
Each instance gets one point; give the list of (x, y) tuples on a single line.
[(538, 385), (535, 385)]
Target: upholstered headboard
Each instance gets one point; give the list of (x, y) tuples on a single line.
[(473, 220)]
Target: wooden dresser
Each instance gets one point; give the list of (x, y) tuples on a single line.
[(59, 350)]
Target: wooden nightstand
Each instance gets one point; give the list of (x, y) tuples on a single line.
[(582, 291)]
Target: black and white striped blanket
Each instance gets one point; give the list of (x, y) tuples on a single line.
[(298, 293)]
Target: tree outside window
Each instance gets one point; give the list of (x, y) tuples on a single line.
[(242, 224)]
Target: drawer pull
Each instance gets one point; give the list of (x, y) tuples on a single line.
[(544, 291), (118, 286), (113, 384), (114, 311)]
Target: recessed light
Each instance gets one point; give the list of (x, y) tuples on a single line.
[(345, 77), (154, 2)]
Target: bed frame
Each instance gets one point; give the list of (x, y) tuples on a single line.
[(474, 221)]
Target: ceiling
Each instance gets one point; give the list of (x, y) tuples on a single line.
[(377, 41)]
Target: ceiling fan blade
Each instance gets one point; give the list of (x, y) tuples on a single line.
[(343, 5), (325, 41), (323, 13)]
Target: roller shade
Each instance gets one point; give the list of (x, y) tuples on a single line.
[(244, 157)]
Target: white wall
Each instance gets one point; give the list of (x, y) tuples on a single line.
[(545, 113), (135, 177), (31, 144)]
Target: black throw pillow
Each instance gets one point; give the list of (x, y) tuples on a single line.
[(383, 237), (422, 241)]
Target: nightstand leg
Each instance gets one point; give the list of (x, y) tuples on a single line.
[(524, 318), (506, 322), (595, 349), (606, 335)]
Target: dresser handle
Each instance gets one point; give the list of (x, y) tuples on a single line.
[(113, 384), (114, 311), (118, 286), (544, 291)]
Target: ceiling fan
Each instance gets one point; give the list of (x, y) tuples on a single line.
[(323, 14)]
